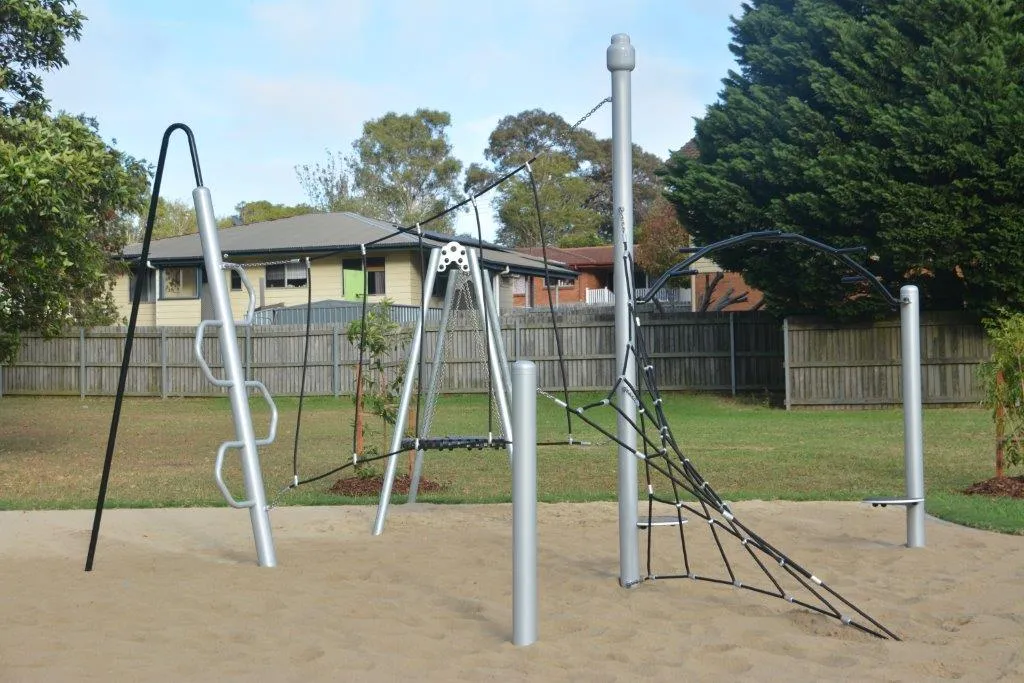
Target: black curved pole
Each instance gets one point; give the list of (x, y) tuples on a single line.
[(140, 274), (771, 236)]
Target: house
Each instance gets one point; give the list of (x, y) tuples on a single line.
[(274, 252), (595, 265)]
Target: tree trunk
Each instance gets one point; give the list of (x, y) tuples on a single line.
[(359, 410)]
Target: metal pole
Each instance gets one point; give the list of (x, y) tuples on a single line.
[(251, 473), (435, 373), (493, 352), (524, 503), (621, 59), (494, 322), (403, 404), (913, 439)]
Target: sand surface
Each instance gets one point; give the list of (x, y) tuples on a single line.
[(175, 595)]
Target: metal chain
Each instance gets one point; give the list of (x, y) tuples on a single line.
[(260, 264), (590, 113)]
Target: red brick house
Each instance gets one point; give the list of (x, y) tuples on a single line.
[(711, 287), (594, 264)]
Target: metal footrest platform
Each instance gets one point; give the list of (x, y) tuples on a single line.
[(882, 502), (659, 520)]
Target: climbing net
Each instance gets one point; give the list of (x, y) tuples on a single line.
[(730, 552)]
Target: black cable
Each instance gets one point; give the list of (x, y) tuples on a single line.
[(423, 334), (140, 275), (487, 325), (551, 304), (305, 366)]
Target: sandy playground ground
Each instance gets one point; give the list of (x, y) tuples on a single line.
[(176, 596)]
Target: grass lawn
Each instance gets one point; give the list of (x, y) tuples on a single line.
[(51, 453)]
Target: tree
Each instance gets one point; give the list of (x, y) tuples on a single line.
[(32, 38), (378, 336), (262, 210), (401, 170), (573, 174), (1003, 380), (68, 203), (174, 217), (659, 238), (894, 125)]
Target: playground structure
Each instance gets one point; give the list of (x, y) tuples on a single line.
[(642, 434)]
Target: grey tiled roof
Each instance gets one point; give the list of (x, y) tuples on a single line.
[(323, 233)]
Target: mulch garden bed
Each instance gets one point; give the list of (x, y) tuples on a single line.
[(370, 486), (1011, 487)]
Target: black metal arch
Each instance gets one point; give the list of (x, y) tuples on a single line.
[(140, 274), (839, 253)]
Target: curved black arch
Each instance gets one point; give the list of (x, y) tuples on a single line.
[(140, 273), (839, 253)]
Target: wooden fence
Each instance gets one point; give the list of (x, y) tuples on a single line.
[(817, 364), (724, 352), (858, 366)]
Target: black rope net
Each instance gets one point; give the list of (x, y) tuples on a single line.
[(715, 545)]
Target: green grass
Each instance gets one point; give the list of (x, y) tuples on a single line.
[(51, 453)]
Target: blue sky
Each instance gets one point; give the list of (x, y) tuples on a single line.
[(268, 85)]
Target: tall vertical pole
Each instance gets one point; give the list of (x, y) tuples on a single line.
[(251, 473), (621, 60), (913, 437), (524, 503)]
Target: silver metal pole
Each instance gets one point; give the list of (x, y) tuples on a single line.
[(524, 503), (251, 473), (621, 61), (913, 437), (435, 372), (403, 404), (494, 322), (492, 349)]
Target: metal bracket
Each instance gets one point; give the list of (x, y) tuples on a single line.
[(453, 253)]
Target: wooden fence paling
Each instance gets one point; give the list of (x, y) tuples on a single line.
[(713, 352), (857, 366)]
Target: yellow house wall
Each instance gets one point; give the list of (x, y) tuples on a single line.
[(123, 301), (402, 286), (401, 279)]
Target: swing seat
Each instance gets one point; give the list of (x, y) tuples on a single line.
[(451, 443)]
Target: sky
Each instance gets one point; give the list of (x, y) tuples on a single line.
[(268, 85)]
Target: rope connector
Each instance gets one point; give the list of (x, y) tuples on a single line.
[(362, 248), (355, 459), (419, 230)]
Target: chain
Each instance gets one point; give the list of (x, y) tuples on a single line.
[(590, 113), (260, 264)]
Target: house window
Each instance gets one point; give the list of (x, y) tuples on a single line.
[(519, 285), (555, 282), (236, 281), (148, 285), (179, 283), (375, 282), (287, 275)]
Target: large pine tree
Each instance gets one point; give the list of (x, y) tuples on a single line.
[(890, 124)]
